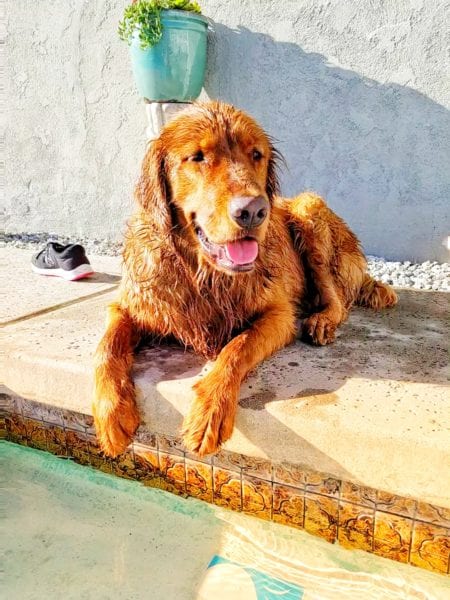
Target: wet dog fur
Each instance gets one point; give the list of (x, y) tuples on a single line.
[(180, 282)]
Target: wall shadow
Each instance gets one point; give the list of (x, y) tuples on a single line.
[(378, 152)]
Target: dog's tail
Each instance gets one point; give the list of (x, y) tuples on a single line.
[(375, 294)]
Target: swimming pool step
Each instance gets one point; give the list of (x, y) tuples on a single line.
[(350, 441)]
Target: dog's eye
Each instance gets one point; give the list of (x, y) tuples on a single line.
[(197, 157), (256, 155)]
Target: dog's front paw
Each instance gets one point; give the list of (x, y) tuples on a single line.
[(115, 423), (319, 329), (210, 420)]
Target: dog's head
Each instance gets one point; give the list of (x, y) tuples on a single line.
[(210, 177)]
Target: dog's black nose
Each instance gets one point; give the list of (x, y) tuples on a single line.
[(248, 212)]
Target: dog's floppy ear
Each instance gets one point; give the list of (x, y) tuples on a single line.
[(272, 184), (152, 191)]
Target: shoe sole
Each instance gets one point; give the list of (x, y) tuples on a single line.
[(78, 273)]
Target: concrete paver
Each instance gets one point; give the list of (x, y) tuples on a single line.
[(29, 293)]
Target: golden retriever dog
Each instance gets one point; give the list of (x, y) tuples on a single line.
[(217, 260)]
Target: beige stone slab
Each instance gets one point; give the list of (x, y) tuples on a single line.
[(28, 293), (373, 408), (49, 357)]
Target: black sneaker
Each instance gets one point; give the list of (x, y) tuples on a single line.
[(69, 261)]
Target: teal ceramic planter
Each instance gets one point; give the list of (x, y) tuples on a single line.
[(173, 69)]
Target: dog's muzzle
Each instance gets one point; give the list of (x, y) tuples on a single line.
[(237, 256)]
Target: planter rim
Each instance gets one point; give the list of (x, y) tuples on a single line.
[(187, 14), (174, 14)]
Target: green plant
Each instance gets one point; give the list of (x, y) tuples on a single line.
[(144, 16)]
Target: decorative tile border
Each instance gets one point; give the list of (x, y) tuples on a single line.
[(288, 505), (402, 529)]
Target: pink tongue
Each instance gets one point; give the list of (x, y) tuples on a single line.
[(242, 252)]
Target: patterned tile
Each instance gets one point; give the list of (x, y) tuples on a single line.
[(358, 494), (321, 516), (251, 465), (123, 465), (52, 414), (96, 457), (77, 421), (288, 505), (396, 504), (42, 412), (90, 427), (256, 467), (16, 429), (171, 445), (199, 480), (101, 463), (430, 548), (227, 488), (320, 483), (230, 461), (172, 469), (257, 497), (437, 515), (36, 434), (206, 460), (31, 409), (392, 536), (289, 474), (77, 446), (160, 483), (10, 405), (356, 524), (146, 438), (16, 404), (146, 464), (56, 440)]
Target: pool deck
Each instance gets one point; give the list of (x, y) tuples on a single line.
[(373, 409)]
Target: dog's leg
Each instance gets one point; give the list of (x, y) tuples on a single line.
[(337, 266), (115, 413), (320, 327), (210, 420), (375, 294), (324, 240)]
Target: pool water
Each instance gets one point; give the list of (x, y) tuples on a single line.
[(75, 533)]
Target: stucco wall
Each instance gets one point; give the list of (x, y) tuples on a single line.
[(355, 92)]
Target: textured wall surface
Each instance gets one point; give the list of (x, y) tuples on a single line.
[(356, 94), (76, 127)]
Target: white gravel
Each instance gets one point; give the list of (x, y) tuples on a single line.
[(421, 276), (34, 241)]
